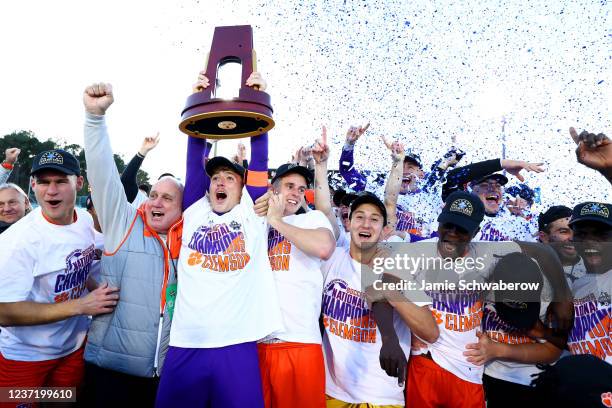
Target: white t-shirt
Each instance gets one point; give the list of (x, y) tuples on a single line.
[(458, 312), (299, 283), (502, 332), (45, 263), (226, 292), (352, 342), (592, 331)]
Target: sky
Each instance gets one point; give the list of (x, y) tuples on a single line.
[(423, 72)]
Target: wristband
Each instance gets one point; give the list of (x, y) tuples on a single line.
[(7, 165)]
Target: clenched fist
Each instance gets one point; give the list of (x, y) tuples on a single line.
[(97, 98)]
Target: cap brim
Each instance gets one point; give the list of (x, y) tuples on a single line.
[(301, 170), (51, 166), (591, 218), (220, 161), (462, 221), (501, 179)]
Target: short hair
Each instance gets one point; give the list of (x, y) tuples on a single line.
[(165, 175)]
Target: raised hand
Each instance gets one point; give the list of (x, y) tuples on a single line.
[(202, 83), (97, 98), (11, 154), (593, 151), (354, 133), (149, 143), (514, 167), (256, 81), (397, 152), (320, 149)]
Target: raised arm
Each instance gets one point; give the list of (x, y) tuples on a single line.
[(128, 177), (196, 179), (394, 182), (355, 179), (11, 155), (114, 212), (320, 153), (456, 178), (594, 151)]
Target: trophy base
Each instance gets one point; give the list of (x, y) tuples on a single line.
[(226, 124)]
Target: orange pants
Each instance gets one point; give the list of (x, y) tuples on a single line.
[(292, 375), (66, 371), (431, 386)]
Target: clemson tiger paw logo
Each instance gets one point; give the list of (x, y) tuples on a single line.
[(194, 259), (606, 399), (437, 316)]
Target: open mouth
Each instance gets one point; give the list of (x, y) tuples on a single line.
[(593, 256), (449, 246), (157, 214), (220, 195), (365, 235), (492, 199), (292, 202), (54, 203)]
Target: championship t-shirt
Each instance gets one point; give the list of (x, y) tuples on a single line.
[(458, 311), (226, 292), (299, 283), (592, 331), (45, 263), (352, 342)]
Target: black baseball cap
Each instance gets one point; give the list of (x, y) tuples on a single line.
[(213, 164), (519, 308), (464, 210), (288, 168), (348, 198), (500, 178), (592, 211), (412, 157), (56, 159), (365, 197), (554, 213)]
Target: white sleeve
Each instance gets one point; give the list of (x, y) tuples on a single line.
[(114, 212), (316, 219), (17, 263), (4, 174)]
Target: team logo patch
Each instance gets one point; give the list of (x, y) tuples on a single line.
[(604, 298), (462, 206), (51, 158), (234, 225), (596, 209)]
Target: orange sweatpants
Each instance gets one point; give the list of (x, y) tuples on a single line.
[(292, 375), (431, 386)]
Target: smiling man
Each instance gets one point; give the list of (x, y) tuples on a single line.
[(592, 226), (554, 229), (297, 245), (14, 205), (45, 264), (126, 349)]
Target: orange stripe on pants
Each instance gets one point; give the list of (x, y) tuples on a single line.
[(431, 386), (292, 375)]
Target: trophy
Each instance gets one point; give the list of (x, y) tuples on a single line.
[(250, 114)]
